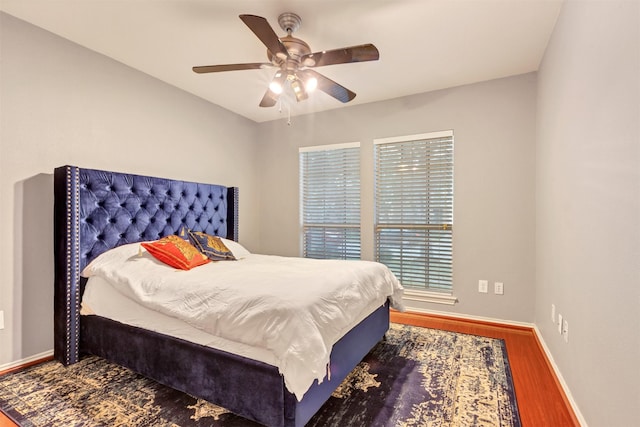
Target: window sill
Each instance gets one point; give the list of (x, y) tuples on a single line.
[(433, 297)]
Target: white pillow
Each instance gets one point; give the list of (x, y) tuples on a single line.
[(236, 248), (113, 257)]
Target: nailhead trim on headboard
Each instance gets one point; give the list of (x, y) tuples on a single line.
[(76, 268), (71, 274), (234, 213), (68, 271)]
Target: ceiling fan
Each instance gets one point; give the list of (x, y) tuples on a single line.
[(295, 61)]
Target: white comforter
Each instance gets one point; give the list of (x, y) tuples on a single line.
[(297, 308)]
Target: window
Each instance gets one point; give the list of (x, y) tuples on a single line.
[(414, 209), (330, 201)]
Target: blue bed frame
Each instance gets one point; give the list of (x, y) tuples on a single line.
[(97, 210)]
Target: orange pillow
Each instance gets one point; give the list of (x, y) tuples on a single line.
[(176, 252)]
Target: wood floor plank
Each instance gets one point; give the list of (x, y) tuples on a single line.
[(5, 422), (541, 400)]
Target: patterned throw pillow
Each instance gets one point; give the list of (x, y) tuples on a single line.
[(211, 246), (183, 233), (176, 252)]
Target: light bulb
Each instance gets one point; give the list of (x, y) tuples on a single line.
[(311, 84), (276, 84), (275, 87), (298, 90)]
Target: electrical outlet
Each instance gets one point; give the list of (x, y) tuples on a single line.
[(498, 288), (1, 319), (559, 323), (553, 313), (565, 330), (483, 286)]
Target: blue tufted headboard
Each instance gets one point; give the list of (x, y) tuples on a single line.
[(98, 210)]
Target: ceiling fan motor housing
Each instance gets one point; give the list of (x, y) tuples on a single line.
[(290, 22), (296, 48)]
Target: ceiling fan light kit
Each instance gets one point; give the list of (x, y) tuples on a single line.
[(294, 60)]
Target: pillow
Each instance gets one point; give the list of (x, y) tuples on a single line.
[(211, 246), (236, 248), (183, 233), (113, 258), (176, 252)]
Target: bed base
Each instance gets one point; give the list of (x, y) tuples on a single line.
[(224, 378)]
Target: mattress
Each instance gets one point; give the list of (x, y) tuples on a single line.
[(102, 299)]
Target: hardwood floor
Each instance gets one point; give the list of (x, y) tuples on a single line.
[(5, 422), (541, 401)]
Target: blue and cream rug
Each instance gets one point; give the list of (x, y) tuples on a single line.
[(417, 377)]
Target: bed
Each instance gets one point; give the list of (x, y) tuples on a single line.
[(95, 211)]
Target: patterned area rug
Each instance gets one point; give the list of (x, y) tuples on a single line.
[(417, 377)]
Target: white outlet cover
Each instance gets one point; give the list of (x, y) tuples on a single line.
[(498, 288), (565, 330), (1, 319), (483, 286)]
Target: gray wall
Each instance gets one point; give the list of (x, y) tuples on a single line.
[(63, 104), (588, 205), (494, 220)]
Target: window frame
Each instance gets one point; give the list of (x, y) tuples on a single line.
[(438, 278), (340, 238)]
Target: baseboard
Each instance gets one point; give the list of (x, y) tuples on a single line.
[(26, 361), (488, 320), (561, 382)]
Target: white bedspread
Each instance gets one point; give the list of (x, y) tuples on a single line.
[(297, 308)]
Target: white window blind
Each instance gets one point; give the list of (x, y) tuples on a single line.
[(414, 209), (330, 201)]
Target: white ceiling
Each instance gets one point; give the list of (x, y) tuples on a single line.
[(424, 45)]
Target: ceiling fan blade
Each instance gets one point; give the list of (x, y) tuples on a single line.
[(265, 33), (269, 99), (329, 87), (361, 53), (229, 67)]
